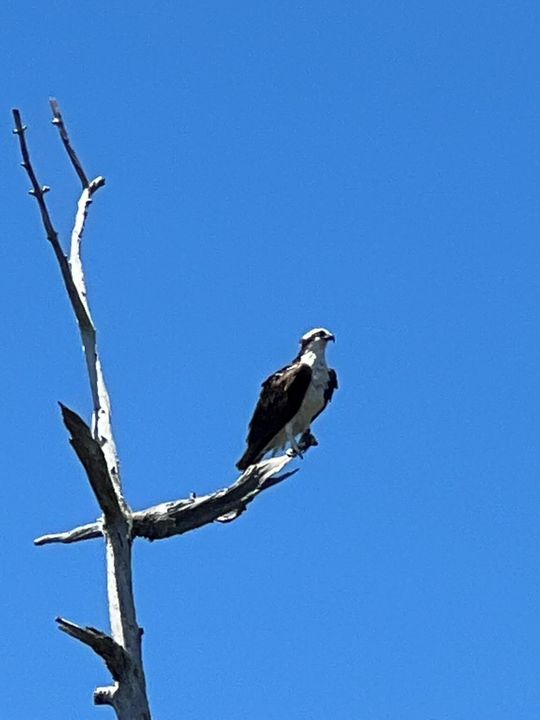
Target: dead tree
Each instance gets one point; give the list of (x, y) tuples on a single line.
[(95, 447)]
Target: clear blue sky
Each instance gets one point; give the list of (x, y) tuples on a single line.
[(372, 167)]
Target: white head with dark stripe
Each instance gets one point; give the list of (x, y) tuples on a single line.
[(315, 341)]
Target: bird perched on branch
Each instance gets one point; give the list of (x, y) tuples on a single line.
[(291, 399)]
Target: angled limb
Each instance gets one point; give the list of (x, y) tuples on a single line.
[(178, 517)]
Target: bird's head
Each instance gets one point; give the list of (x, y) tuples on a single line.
[(316, 340)]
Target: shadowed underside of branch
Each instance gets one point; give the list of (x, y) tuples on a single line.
[(114, 655)]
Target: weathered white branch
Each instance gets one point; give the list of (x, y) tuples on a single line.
[(83, 532), (102, 421)]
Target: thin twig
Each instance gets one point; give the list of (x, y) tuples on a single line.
[(59, 122), (39, 191)]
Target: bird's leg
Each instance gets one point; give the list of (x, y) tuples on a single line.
[(292, 440)]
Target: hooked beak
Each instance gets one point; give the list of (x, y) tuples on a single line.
[(332, 338)]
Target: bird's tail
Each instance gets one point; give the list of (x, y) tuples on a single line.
[(247, 459)]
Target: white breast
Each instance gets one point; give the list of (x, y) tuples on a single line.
[(313, 401)]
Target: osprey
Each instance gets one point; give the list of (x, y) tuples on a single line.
[(291, 399)]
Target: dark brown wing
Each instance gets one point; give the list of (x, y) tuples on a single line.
[(332, 385), (280, 399)]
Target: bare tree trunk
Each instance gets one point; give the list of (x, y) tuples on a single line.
[(96, 450)]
